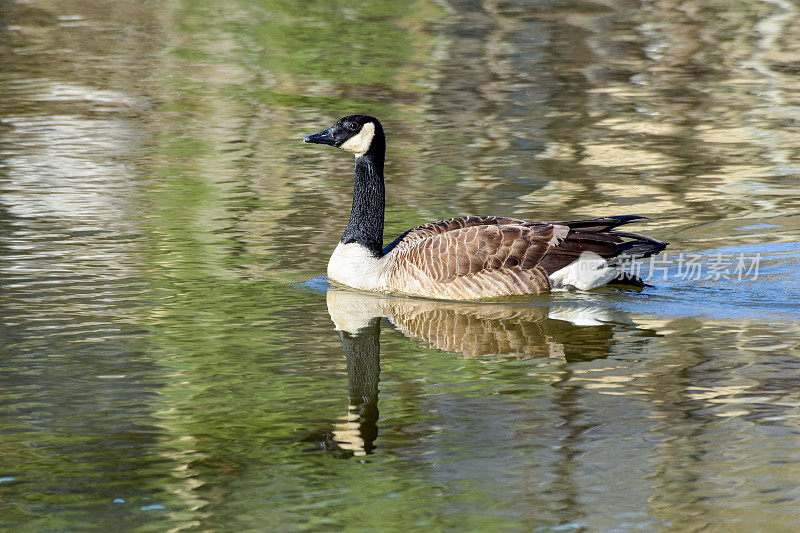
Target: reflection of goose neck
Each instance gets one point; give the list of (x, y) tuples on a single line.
[(358, 431)]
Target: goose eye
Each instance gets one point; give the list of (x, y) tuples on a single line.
[(353, 126)]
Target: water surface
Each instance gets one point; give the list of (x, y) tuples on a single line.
[(170, 356)]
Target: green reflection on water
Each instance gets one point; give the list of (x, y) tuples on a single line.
[(156, 353)]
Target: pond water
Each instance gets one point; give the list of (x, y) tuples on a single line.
[(169, 355)]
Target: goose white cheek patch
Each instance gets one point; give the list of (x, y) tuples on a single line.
[(359, 143)]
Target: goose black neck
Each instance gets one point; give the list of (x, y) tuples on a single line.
[(365, 226)]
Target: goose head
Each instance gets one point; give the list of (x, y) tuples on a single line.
[(357, 134)]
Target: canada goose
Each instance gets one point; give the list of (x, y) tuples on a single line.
[(470, 257)]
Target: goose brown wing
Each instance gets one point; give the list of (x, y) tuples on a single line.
[(576, 243), (499, 247), (443, 226), (599, 236), (445, 254)]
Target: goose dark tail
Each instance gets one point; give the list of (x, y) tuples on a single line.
[(639, 247)]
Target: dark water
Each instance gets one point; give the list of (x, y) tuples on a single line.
[(169, 358)]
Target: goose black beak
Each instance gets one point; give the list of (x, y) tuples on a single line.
[(323, 137)]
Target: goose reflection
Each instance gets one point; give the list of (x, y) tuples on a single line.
[(483, 329), (469, 329)]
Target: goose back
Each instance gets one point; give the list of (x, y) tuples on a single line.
[(468, 258)]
